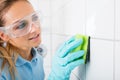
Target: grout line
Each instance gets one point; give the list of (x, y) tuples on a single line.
[(102, 39), (85, 16), (85, 6), (83, 34), (90, 37), (114, 40)]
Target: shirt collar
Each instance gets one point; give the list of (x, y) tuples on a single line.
[(21, 61)]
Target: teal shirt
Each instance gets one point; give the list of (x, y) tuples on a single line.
[(26, 70)]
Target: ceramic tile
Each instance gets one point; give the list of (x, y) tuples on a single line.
[(70, 19), (46, 41), (47, 70), (74, 77), (80, 72), (44, 7), (117, 17), (45, 25), (101, 60), (35, 4), (74, 17), (58, 5), (57, 23), (117, 60), (57, 40), (100, 18)]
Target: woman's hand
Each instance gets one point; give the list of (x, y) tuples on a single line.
[(65, 60)]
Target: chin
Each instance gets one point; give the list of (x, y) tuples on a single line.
[(37, 44)]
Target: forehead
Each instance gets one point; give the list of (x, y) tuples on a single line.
[(17, 11)]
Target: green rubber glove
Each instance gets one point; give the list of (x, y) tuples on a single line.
[(65, 59)]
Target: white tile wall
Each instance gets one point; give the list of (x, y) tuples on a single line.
[(57, 13), (70, 18), (74, 77), (35, 4), (80, 72), (74, 17), (101, 60), (117, 17), (94, 18), (47, 72), (44, 6), (57, 40), (45, 25), (58, 5), (46, 40), (117, 60), (57, 23), (100, 18)]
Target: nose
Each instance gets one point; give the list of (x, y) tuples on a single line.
[(34, 27)]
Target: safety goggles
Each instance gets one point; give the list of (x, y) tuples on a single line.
[(23, 26)]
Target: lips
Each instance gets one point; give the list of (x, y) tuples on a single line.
[(34, 37)]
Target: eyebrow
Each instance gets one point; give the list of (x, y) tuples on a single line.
[(23, 17), (19, 20), (16, 21)]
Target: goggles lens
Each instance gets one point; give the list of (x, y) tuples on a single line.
[(23, 26)]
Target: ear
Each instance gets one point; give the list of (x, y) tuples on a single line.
[(4, 37)]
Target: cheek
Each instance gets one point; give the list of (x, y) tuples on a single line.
[(25, 43), (19, 42)]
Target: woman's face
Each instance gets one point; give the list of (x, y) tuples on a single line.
[(17, 11)]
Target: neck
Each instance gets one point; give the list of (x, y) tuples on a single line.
[(26, 54)]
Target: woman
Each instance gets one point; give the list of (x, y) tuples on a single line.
[(20, 33)]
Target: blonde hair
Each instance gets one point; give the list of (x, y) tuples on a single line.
[(8, 52)]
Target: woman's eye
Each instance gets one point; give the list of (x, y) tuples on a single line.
[(35, 17), (21, 25)]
